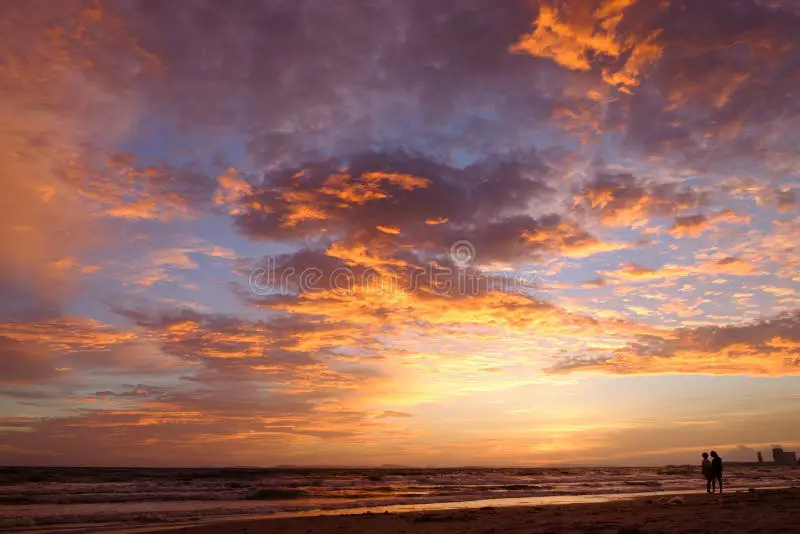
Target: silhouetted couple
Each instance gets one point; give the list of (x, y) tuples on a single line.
[(712, 471)]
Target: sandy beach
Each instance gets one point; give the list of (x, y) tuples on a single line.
[(773, 511)]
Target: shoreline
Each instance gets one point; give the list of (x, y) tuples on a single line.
[(740, 511), (468, 506)]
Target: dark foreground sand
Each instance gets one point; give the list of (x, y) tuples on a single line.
[(773, 511)]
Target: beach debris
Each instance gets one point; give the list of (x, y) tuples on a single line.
[(672, 500)]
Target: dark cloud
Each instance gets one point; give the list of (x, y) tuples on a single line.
[(392, 191), (722, 79), (22, 364), (348, 77), (177, 432), (620, 199), (785, 326), (135, 391), (787, 199), (595, 282), (767, 347), (395, 207), (284, 351), (61, 350), (128, 191)]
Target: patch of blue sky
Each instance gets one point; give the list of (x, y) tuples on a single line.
[(762, 220), (207, 288), (578, 272), (100, 295), (120, 279), (157, 141), (220, 231), (470, 137)]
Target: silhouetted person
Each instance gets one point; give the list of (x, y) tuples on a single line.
[(716, 471), (705, 467)]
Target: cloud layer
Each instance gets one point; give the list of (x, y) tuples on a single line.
[(287, 232)]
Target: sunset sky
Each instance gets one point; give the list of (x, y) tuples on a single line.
[(588, 213)]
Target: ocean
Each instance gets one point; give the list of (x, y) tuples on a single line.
[(72, 499)]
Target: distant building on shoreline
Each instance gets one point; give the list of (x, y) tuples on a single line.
[(781, 457)]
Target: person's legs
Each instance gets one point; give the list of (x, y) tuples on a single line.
[(719, 479), (713, 484), (708, 484)]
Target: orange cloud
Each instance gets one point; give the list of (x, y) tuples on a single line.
[(696, 225), (622, 200), (738, 359), (49, 351), (728, 265), (573, 35), (568, 239), (569, 45), (765, 348), (303, 212), (119, 188), (376, 256), (337, 192), (682, 308), (67, 334), (58, 105), (230, 191), (368, 187), (496, 312)]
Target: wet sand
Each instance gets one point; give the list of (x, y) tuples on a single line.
[(774, 511)]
